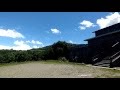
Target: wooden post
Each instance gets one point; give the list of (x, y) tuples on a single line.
[(111, 65)]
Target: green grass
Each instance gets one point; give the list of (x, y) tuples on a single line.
[(45, 62), (109, 73), (13, 63), (7, 64)]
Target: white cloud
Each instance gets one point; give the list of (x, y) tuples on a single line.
[(37, 42), (70, 41), (18, 45), (21, 45), (5, 47), (86, 24), (55, 31), (28, 41), (108, 20), (19, 42), (35, 46), (82, 27), (34, 42), (10, 33)]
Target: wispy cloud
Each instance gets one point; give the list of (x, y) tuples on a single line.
[(10, 33), (55, 31), (108, 20), (86, 24)]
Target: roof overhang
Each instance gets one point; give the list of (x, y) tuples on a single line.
[(102, 35)]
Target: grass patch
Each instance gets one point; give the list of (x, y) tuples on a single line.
[(60, 62), (108, 73), (13, 63), (44, 62), (8, 64), (111, 70)]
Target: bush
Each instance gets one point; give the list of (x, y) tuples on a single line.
[(62, 59)]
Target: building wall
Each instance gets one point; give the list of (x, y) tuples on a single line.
[(79, 54), (103, 45)]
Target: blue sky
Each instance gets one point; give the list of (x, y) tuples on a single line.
[(26, 30)]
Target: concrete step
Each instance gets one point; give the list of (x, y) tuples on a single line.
[(103, 65), (103, 62), (116, 58)]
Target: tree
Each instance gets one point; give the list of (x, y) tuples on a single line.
[(1, 58), (60, 49), (9, 57)]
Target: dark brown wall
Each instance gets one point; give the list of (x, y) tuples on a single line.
[(103, 45)]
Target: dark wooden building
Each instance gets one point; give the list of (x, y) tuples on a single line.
[(78, 53), (104, 48)]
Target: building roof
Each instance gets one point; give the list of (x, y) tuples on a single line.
[(106, 27), (102, 35)]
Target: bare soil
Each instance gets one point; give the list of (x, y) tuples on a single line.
[(55, 70)]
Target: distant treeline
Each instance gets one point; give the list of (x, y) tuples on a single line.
[(58, 51)]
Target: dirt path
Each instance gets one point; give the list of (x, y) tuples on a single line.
[(44, 70)]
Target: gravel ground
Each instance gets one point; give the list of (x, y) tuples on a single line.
[(44, 70)]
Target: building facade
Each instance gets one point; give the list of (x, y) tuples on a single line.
[(104, 45)]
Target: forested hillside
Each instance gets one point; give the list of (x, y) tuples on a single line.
[(58, 51)]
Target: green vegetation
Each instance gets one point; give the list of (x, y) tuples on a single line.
[(13, 63), (58, 51)]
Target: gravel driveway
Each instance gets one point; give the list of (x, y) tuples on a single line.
[(44, 70)]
